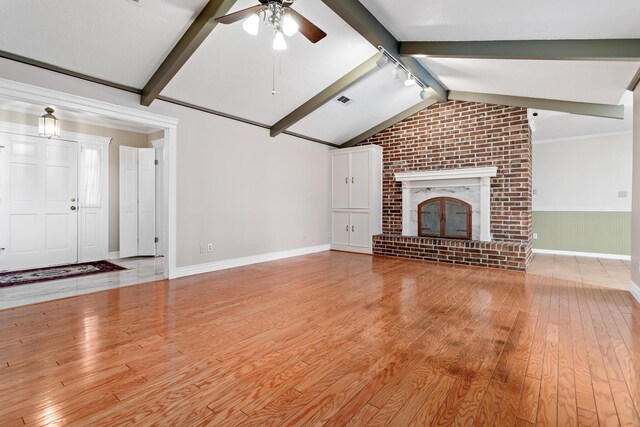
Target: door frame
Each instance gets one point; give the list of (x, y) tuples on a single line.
[(46, 97)]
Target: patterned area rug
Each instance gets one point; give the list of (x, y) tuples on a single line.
[(25, 277)]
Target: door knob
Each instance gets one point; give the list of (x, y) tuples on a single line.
[(73, 208), (73, 200)]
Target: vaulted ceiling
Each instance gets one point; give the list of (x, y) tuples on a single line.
[(234, 73)]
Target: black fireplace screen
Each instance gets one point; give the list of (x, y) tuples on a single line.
[(444, 217)]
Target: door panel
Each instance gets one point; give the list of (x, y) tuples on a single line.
[(359, 180), (128, 202), (94, 161), (340, 180), (360, 229), (146, 201), (38, 179), (340, 228)]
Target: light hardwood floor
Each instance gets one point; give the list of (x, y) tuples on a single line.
[(330, 338), (612, 273)]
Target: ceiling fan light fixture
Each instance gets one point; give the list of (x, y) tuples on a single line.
[(289, 25), (279, 42), (252, 24)]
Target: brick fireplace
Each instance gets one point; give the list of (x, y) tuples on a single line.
[(480, 151)]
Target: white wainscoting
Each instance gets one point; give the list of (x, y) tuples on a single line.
[(254, 259)]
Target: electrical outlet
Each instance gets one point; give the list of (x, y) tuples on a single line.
[(201, 249), (535, 236), (210, 247), (623, 194)]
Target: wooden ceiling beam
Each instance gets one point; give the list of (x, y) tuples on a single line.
[(563, 50), (186, 46), (422, 105), (335, 89), (363, 21), (582, 108)]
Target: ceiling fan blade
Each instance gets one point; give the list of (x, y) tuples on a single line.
[(239, 15), (306, 27)]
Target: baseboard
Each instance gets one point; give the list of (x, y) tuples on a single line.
[(635, 290), (584, 254), (114, 255), (239, 262)]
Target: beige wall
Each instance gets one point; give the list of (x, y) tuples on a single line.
[(118, 138), (635, 216), (237, 188)]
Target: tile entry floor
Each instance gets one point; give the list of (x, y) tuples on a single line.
[(611, 273), (139, 270)]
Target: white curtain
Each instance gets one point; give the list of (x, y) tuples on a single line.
[(91, 170)]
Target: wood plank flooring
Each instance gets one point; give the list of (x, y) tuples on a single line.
[(327, 339)]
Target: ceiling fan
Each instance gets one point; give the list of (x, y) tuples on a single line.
[(279, 14)]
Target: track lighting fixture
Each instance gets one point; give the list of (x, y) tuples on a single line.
[(382, 61), (410, 81), (395, 72)]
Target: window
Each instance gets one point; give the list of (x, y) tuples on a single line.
[(444, 217), (91, 171)]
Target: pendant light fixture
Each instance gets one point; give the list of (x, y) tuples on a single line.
[(49, 125)]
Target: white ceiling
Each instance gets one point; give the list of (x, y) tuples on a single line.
[(581, 81), (114, 40), (233, 71), (507, 20), (551, 125), (376, 98)]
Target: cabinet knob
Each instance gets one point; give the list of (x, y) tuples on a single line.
[(347, 228), (346, 180), (353, 228)]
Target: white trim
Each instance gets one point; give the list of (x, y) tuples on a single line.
[(574, 138), (239, 262), (34, 94), (462, 173), (114, 255), (635, 290), (573, 209), (29, 93), (21, 129), (582, 254)]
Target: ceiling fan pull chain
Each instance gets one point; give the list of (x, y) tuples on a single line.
[(273, 75)]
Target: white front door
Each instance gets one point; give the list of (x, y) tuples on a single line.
[(38, 202)]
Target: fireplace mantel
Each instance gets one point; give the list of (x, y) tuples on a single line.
[(467, 177)]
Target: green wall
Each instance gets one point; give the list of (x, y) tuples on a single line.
[(596, 232)]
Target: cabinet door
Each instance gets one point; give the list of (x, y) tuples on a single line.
[(359, 180), (359, 228), (340, 180), (340, 228)]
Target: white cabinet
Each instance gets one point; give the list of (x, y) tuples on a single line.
[(356, 198)]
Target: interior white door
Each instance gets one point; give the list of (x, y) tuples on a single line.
[(360, 235), (38, 202), (359, 179), (340, 180), (128, 201), (146, 201), (340, 228)]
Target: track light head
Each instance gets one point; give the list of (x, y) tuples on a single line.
[(410, 81), (382, 61)]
